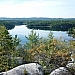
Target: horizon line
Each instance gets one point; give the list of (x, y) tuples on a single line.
[(36, 17)]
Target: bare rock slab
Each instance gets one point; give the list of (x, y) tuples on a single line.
[(26, 69)]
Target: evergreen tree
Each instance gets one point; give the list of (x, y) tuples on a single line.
[(33, 39), (5, 48), (71, 32), (8, 46)]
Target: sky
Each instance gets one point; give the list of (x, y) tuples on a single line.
[(37, 8)]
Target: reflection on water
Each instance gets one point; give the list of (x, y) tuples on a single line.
[(22, 31)]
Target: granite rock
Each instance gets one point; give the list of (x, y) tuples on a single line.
[(61, 71), (25, 69)]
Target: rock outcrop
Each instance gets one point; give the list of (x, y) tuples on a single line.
[(26, 69), (61, 71), (68, 70)]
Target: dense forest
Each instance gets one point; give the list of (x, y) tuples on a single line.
[(10, 24), (57, 25), (51, 53)]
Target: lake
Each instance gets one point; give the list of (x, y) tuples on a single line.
[(21, 31)]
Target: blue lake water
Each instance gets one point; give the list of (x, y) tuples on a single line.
[(22, 31)]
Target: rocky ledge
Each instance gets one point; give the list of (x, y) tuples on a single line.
[(26, 69)]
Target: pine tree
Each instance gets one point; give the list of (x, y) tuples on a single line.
[(33, 39), (5, 48)]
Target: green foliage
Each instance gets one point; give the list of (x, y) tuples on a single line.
[(71, 32), (58, 25), (49, 52), (16, 41), (7, 49), (50, 37), (33, 40), (10, 24), (7, 24)]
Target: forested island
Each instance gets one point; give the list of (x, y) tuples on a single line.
[(51, 53)]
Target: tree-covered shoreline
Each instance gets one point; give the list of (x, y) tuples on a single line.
[(55, 25), (58, 25)]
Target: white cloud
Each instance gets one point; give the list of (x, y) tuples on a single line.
[(36, 8)]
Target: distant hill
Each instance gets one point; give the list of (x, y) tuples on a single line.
[(35, 18)]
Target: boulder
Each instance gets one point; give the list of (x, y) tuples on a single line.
[(26, 69), (61, 71), (71, 67)]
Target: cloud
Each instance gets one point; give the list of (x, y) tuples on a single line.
[(36, 8)]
